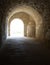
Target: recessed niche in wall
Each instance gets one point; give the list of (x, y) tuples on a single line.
[(31, 29)]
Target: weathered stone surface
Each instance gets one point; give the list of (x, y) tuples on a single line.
[(42, 6)]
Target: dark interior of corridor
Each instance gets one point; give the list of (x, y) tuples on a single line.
[(34, 47)]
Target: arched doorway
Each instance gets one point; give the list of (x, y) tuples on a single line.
[(16, 28), (15, 13)]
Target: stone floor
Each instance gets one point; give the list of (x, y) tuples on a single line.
[(24, 51)]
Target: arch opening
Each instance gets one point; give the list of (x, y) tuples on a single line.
[(35, 16), (16, 28)]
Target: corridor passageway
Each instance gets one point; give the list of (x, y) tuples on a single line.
[(24, 32)]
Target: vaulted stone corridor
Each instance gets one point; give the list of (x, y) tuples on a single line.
[(33, 24), (25, 32)]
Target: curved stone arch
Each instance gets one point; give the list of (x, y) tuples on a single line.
[(32, 12), (26, 15), (16, 16), (26, 18)]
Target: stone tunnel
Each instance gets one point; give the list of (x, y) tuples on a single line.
[(34, 45)]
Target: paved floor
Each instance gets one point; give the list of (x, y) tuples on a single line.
[(24, 51)]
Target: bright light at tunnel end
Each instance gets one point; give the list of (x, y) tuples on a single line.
[(16, 28)]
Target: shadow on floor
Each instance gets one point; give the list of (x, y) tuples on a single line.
[(24, 51)]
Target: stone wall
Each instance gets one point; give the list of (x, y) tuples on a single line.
[(42, 6)]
